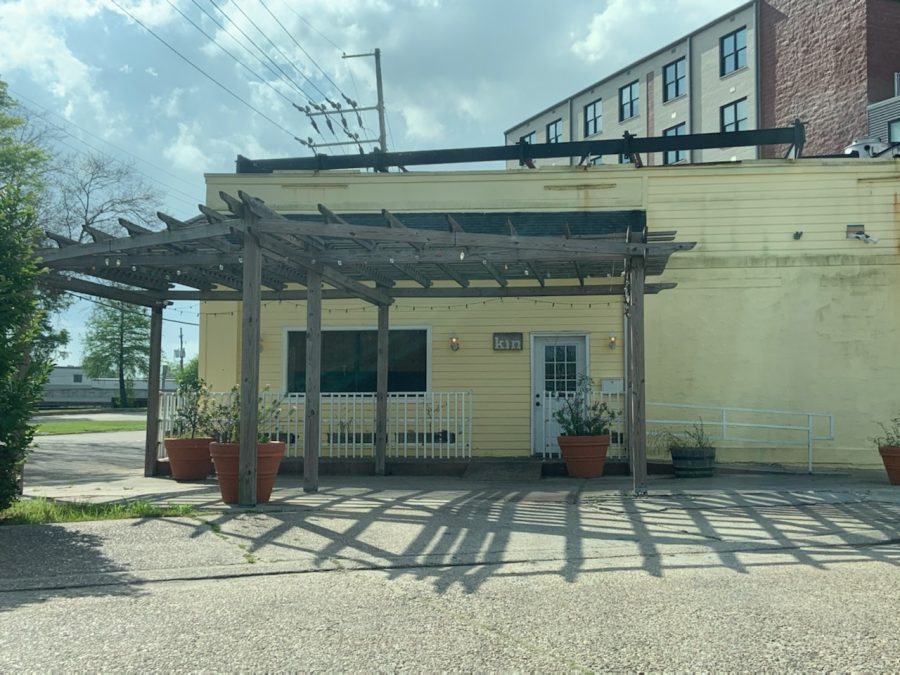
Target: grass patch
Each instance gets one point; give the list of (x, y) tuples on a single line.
[(40, 511), (83, 410), (88, 426)]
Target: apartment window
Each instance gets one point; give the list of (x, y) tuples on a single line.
[(527, 138), (629, 100), (674, 79), (673, 156), (733, 117), (733, 51), (554, 131), (593, 118), (77, 378), (349, 360), (894, 131)]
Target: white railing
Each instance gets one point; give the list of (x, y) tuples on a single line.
[(739, 426), (551, 401), (421, 425), (729, 425)]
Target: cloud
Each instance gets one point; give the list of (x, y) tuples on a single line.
[(125, 68), (421, 124), (151, 71), (613, 32), (184, 152)]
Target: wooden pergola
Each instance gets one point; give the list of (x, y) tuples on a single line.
[(252, 254)]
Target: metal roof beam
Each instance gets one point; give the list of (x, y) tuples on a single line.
[(525, 152)]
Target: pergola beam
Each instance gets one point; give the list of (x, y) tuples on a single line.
[(133, 297), (249, 392), (151, 439), (312, 433), (146, 241), (636, 395), (328, 274), (460, 240), (435, 293)]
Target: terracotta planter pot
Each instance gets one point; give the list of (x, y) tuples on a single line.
[(189, 458), (225, 457), (584, 455), (890, 455)]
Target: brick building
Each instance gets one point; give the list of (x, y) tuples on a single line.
[(763, 64)]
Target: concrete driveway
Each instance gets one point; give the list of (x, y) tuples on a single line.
[(762, 572)]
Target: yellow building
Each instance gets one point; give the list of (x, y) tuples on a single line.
[(788, 303)]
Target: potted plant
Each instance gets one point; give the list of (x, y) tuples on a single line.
[(225, 423), (585, 431), (188, 448), (889, 449), (693, 454)]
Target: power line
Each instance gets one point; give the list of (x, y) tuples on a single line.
[(18, 94), (300, 47), (362, 123), (234, 58), (278, 76), (190, 200), (336, 106), (201, 71), (276, 47), (123, 309)]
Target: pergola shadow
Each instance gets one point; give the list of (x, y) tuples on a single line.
[(485, 532)]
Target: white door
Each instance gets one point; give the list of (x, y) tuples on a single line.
[(556, 363)]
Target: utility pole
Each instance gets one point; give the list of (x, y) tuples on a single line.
[(379, 106), (181, 349)]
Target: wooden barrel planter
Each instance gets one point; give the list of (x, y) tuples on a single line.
[(693, 462), (890, 455), (268, 459)]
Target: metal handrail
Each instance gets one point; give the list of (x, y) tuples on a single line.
[(724, 424), (720, 422)]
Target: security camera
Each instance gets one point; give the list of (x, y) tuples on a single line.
[(862, 236)]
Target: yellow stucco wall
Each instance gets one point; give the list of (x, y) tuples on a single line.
[(759, 319)]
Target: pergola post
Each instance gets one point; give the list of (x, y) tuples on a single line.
[(637, 419), (381, 390), (249, 392), (151, 450), (312, 422)]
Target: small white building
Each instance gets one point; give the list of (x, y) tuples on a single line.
[(71, 386)]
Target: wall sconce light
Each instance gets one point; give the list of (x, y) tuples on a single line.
[(612, 341), (454, 343)]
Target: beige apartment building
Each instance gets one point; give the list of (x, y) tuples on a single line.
[(762, 65)]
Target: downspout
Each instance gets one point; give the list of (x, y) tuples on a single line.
[(690, 74), (626, 399), (571, 126), (758, 60)]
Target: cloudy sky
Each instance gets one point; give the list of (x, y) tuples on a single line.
[(456, 73)]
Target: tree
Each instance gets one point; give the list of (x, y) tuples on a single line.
[(27, 340), (116, 343), (22, 161), (24, 360), (96, 191), (189, 376)]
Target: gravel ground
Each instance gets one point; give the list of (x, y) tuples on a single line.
[(698, 615)]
